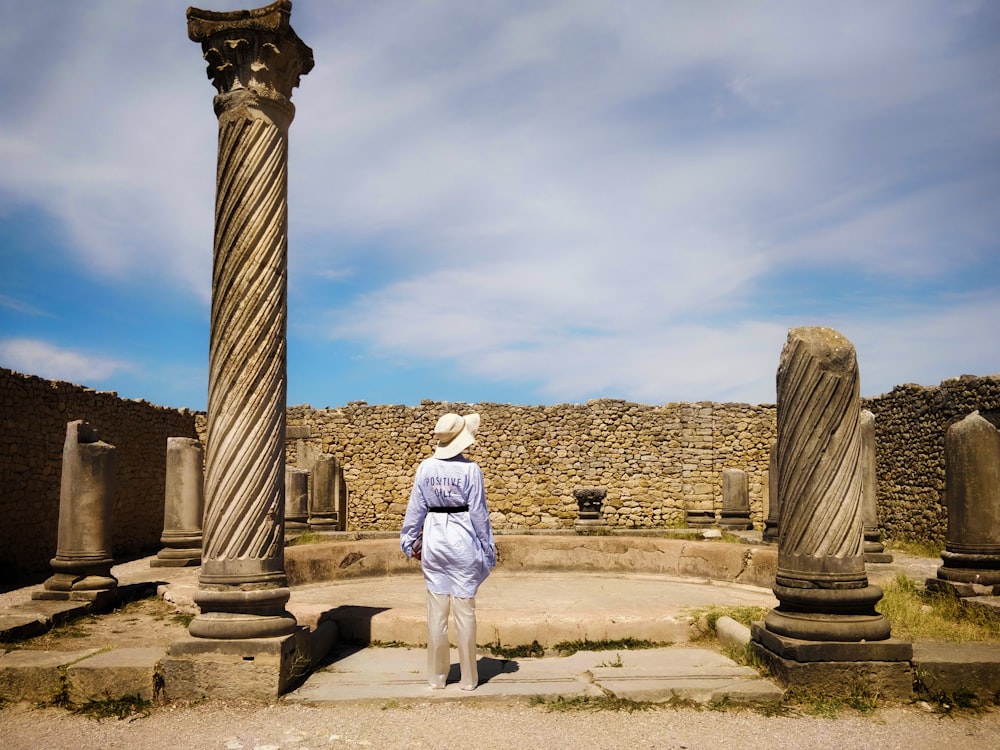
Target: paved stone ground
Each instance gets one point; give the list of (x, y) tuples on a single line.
[(503, 717)]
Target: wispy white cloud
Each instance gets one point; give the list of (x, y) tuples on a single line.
[(580, 196), (41, 358), (19, 306)]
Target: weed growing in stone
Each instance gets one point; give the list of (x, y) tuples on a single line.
[(306, 537), (129, 707), (568, 648), (591, 703), (516, 652), (616, 663), (917, 549), (746, 656), (707, 617)]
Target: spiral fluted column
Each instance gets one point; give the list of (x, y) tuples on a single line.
[(254, 60), (821, 582)]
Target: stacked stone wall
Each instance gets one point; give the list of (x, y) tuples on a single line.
[(910, 426), (33, 417), (655, 461)]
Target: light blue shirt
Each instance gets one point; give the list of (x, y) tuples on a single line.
[(458, 549)]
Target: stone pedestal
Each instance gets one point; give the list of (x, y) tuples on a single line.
[(972, 489), (296, 498), (873, 548), (328, 501), (255, 669), (183, 506), (735, 500), (837, 669), (254, 60), (82, 565), (821, 585), (699, 519), (589, 501), (773, 508)]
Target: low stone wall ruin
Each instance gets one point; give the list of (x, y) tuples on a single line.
[(33, 417), (655, 461), (910, 426)]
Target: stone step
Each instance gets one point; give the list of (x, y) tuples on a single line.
[(953, 669)]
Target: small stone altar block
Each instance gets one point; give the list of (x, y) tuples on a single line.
[(589, 501)]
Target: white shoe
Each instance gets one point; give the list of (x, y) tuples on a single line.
[(469, 687), (435, 686)]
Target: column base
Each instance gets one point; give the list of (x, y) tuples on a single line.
[(983, 570), (735, 521), (815, 614), (700, 519), (324, 521), (238, 614), (235, 626), (176, 558), (61, 585), (845, 670)]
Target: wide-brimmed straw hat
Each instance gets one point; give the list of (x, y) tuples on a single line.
[(454, 434)]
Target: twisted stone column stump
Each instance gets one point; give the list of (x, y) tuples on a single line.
[(825, 633)]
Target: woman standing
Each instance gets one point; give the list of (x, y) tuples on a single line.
[(447, 527)]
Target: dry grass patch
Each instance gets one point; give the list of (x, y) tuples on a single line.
[(918, 615)]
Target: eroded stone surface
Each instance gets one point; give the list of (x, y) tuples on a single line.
[(821, 580)]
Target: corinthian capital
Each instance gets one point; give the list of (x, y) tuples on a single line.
[(253, 50)]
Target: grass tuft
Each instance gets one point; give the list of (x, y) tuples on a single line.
[(516, 652), (917, 549), (568, 648), (129, 707), (565, 704), (306, 537), (915, 614)]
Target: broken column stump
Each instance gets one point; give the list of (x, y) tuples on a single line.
[(825, 634), (82, 565)]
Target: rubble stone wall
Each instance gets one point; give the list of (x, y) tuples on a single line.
[(910, 425), (655, 461), (33, 417)]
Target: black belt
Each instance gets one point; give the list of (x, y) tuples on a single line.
[(449, 509)]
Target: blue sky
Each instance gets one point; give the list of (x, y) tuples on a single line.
[(517, 202)]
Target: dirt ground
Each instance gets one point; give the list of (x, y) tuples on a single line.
[(141, 623)]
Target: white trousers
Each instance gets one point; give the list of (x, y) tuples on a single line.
[(438, 653)]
